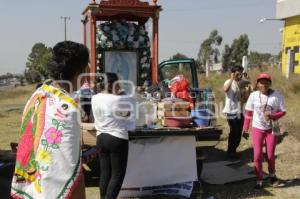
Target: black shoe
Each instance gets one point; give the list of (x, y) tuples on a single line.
[(275, 182), (258, 186)]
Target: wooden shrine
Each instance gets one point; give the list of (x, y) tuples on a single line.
[(131, 11)]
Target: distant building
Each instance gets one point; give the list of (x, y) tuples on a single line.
[(10, 82), (289, 11)]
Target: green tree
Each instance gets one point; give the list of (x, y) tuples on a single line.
[(178, 56), (6, 76), (233, 55), (257, 59), (32, 76), (21, 78), (199, 67), (209, 48), (239, 48), (38, 60), (226, 62)]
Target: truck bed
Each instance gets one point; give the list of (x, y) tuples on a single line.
[(201, 134)]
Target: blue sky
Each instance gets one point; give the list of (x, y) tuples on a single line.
[(184, 24)]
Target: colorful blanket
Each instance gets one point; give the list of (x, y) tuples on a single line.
[(48, 157)]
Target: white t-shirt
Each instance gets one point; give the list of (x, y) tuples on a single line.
[(111, 114), (232, 98), (259, 102)]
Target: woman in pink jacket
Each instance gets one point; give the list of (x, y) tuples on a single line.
[(264, 106)]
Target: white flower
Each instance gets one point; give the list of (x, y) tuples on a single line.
[(119, 25), (130, 39), (146, 65), (141, 39), (136, 44), (130, 31), (99, 31), (109, 44), (106, 28), (143, 60), (116, 38), (103, 38), (142, 31)]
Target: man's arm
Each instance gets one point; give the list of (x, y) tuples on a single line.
[(228, 84)]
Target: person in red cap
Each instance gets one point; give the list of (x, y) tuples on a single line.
[(264, 106)]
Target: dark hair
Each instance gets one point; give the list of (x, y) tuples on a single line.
[(237, 68), (68, 59), (106, 81)]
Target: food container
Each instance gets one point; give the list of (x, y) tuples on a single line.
[(200, 117), (179, 122)]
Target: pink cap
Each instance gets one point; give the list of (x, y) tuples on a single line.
[(263, 76)]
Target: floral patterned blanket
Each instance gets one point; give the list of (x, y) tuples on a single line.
[(48, 157)]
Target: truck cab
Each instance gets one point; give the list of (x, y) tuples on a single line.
[(187, 67), (202, 97)]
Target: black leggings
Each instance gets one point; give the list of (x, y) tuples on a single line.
[(113, 163)]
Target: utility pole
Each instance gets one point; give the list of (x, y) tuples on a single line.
[(65, 24)]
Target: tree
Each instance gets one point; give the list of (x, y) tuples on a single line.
[(233, 55), (6, 76), (32, 76), (199, 67), (226, 57), (209, 48), (239, 48), (178, 56), (257, 59), (38, 61), (21, 78)]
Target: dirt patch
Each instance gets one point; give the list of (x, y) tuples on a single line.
[(287, 166)]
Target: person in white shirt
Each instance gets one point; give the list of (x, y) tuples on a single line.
[(114, 117), (266, 106), (232, 109)]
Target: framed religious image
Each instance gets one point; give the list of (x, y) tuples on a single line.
[(123, 63)]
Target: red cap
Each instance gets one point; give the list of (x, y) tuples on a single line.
[(263, 76)]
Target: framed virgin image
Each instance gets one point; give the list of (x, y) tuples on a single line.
[(123, 63)]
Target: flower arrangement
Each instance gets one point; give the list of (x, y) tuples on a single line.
[(123, 35)]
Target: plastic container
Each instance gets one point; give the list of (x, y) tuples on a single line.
[(179, 122), (200, 117)]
